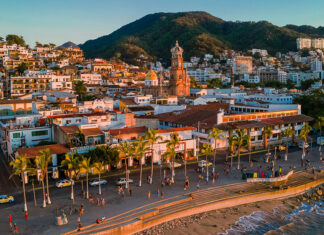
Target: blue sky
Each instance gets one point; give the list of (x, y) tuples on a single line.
[(59, 21)]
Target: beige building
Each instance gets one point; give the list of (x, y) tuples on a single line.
[(242, 65)]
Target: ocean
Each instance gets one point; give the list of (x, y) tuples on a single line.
[(305, 220)]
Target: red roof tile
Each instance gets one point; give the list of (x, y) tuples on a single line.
[(127, 130), (92, 132), (32, 152)]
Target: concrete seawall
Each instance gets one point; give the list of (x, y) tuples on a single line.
[(197, 205)]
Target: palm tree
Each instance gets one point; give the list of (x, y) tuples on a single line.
[(46, 156), (41, 165), (152, 138), (303, 135), (21, 166), (140, 148), (287, 133), (171, 151), (267, 133), (319, 123), (72, 163), (87, 166), (240, 139), (231, 144), (216, 134), (99, 166), (206, 150), (125, 150)]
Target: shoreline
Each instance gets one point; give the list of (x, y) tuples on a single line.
[(220, 220)]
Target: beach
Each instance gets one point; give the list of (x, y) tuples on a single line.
[(234, 219)]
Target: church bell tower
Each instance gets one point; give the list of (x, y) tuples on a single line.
[(179, 80)]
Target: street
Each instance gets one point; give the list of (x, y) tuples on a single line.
[(42, 220)]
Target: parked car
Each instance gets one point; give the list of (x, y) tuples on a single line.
[(63, 183), (122, 181), (96, 182), (6, 199), (300, 145), (176, 165), (202, 163)]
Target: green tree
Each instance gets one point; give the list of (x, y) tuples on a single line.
[(240, 139), (100, 167), (21, 166), (87, 166), (206, 150), (125, 151), (22, 67), (80, 89), (216, 134), (15, 39), (172, 144), (267, 133), (214, 83), (140, 148), (318, 125), (287, 133), (152, 138), (73, 166), (45, 158), (303, 135)]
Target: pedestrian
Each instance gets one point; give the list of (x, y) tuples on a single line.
[(149, 195), (71, 210), (158, 191), (198, 185), (15, 228), (103, 202), (130, 192), (123, 194), (217, 175), (10, 223), (81, 210), (185, 187), (162, 194), (213, 179), (98, 201)]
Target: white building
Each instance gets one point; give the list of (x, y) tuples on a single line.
[(316, 65), (304, 43), (91, 78), (60, 82), (261, 51)]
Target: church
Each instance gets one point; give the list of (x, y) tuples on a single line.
[(179, 82)]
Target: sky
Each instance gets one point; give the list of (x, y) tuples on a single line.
[(59, 21)]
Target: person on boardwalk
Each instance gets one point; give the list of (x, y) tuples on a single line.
[(10, 223), (149, 195), (15, 229)]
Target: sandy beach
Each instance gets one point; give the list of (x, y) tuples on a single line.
[(219, 221)]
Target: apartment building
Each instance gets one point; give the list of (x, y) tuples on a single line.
[(242, 65)]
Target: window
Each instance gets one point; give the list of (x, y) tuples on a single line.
[(16, 135), (38, 133)]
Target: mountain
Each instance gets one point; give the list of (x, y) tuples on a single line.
[(68, 44), (197, 32)]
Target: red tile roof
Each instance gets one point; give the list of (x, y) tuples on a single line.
[(32, 152), (78, 115), (92, 132), (188, 128), (127, 130), (69, 129)]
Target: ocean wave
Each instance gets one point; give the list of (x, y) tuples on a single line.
[(306, 219)]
